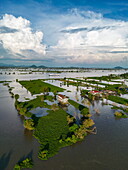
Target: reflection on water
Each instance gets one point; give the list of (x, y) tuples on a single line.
[(51, 103), (4, 160), (39, 112), (39, 75), (28, 135)]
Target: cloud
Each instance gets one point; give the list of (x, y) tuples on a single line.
[(75, 30), (92, 38), (17, 36), (74, 36), (4, 29)]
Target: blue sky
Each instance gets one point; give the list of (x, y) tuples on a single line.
[(64, 33)]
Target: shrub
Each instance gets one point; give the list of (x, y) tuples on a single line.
[(17, 167), (29, 124), (27, 163), (17, 96), (85, 111), (120, 115)]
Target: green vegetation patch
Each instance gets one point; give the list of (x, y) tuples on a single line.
[(49, 131), (4, 81), (29, 124), (27, 163), (120, 115), (84, 110), (84, 92), (120, 108), (38, 86), (24, 108), (118, 99), (111, 77)]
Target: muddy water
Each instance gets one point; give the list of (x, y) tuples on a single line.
[(15, 142)]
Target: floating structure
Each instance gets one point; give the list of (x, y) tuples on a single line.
[(62, 99), (54, 74)]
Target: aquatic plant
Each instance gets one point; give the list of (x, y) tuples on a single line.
[(50, 129), (27, 163), (120, 115), (29, 124), (88, 123), (70, 119), (85, 111), (17, 167)]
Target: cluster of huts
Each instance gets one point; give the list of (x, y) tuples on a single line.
[(103, 92)]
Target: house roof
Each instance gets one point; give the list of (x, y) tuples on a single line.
[(94, 91), (62, 96)]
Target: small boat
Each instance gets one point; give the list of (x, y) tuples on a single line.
[(54, 74)]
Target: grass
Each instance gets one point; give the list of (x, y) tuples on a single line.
[(107, 86), (118, 99), (26, 163), (84, 110), (38, 86), (4, 81), (113, 87), (88, 81), (24, 108), (84, 92), (120, 115), (111, 77), (76, 105), (120, 108), (53, 131), (50, 130)]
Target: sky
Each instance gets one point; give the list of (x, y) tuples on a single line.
[(87, 33)]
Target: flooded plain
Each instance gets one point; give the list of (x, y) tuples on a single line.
[(107, 150)]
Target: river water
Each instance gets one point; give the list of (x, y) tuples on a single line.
[(107, 150)]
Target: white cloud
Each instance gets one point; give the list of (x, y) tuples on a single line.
[(92, 38), (23, 38), (73, 37)]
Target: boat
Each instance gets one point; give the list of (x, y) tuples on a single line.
[(54, 74)]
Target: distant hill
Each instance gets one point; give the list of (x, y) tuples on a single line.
[(118, 67), (33, 66), (23, 66), (42, 66), (6, 65), (3, 65)]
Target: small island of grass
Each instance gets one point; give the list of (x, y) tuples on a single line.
[(26, 163), (57, 129), (120, 115), (39, 86)]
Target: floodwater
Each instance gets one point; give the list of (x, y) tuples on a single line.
[(107, 150), (7, 74)]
